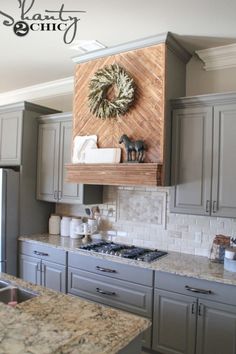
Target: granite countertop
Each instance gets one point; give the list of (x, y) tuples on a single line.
[(53, 323), (176, 263)]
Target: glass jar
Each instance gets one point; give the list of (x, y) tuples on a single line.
[(75, 222), (65, 226), (54, 224)]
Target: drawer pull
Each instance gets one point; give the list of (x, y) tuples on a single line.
[(106, 270), (103, 292), (199, 291), (41, 254)]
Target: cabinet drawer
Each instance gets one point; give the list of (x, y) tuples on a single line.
[(113, 292), (180, 284), (44, 252), (111, 269)]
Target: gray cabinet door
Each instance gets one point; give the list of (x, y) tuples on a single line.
[(191, 161), (48, 159), (174, 323), (11, 138), (216, 329), (30, 269), (54, 276), (68, 192), (224, 166)]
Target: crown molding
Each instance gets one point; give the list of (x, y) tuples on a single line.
[(167, 38), (44, 90), (204, 100), (219, 57)]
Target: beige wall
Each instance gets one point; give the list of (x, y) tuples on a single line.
[(63, 103), (199, 81)]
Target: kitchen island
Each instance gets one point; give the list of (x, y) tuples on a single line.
[(53, 323)]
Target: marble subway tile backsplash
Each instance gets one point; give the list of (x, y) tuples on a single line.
[(140, 216)]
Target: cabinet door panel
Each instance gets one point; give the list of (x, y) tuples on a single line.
[(131, 297), (54, 276), (216, 330), (48, 157), (174, 324), (30, 269), (68, 192), (224, 168), (191, 160), (11, 138)]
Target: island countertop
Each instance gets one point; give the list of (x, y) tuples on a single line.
[(176, 263), (57, 323)]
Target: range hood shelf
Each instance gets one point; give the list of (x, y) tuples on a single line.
[(115, 174)]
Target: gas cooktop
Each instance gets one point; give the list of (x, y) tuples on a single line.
[(125, 251)]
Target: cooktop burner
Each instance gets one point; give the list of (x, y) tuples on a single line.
[(125, 251)]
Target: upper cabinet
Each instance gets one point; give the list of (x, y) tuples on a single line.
[(10, 138), (16, 122), (157, 67), (54, 152), (203, 149)]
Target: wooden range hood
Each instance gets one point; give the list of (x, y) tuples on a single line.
[(157, 65)]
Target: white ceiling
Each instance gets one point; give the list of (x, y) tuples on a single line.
[(43, 56)]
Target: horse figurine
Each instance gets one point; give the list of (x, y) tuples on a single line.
[(133, 146)]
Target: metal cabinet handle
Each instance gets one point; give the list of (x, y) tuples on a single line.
[(38, 267), (106, 270), (103, 292), (214, 206), (56, 195), (43, 268), (41, 254), (199, 291), (200, 309), (193, 309), (208, 206)]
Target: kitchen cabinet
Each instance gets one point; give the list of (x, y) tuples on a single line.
[(54, 152), (16, 121), (11, 124), (18, 149), (193, 316), (113, 284), (203, 145), (43, 265)]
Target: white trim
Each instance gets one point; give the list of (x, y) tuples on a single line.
[(167, 38), (219, 57), (46, 89)]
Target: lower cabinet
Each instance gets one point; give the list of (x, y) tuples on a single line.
[(189, 324), (40, 271), (115, 285)]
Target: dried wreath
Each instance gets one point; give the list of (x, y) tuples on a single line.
[(113, 76)]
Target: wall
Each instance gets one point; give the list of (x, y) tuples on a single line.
[(140, 216), (63, 103), (199, 81)]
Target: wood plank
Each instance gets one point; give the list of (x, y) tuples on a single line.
[(115, 174), (146, 118)]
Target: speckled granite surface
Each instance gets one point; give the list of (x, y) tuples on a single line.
[(177, 263), (54, 323)]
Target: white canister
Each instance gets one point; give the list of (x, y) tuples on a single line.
[(54, 224), (65, 226), (74, 223)]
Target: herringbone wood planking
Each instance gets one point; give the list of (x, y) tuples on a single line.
[(145, 119)]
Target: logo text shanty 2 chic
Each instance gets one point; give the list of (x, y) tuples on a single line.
[(61, 19)]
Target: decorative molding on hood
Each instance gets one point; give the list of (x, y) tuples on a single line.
[(167, 38), (218, 58)]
